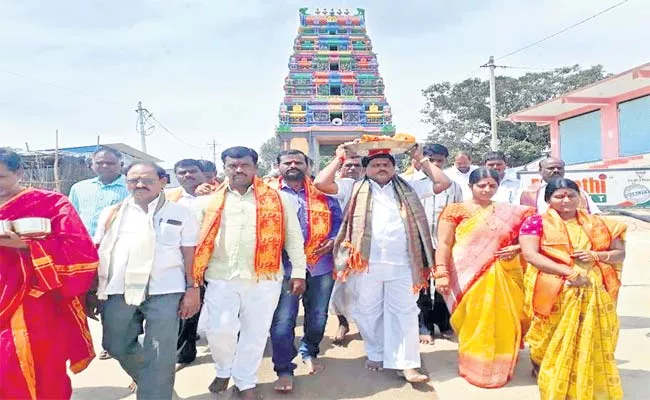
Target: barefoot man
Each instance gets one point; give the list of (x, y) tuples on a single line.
[(340, 303), (320, 219), (385, 245), (245, 226)]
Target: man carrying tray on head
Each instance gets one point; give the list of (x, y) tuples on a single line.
[(384, 244)]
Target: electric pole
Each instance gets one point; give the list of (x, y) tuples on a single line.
[(143, 133), (494, 143), (213, 145)]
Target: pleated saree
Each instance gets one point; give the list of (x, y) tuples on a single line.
[(486, 295)]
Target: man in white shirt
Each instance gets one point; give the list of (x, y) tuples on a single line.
[(385, 244), (550, 168), (460, 171), (509, 186), (190, 175), (145, 277), (433, 309), (341, 300)]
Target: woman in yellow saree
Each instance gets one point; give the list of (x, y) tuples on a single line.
[(480, 274), (571, 287)]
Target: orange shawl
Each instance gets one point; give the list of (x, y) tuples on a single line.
[(174, 195), (556, 244), (269, 232), (319, 218)]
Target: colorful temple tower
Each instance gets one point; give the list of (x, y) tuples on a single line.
[(333, 92)]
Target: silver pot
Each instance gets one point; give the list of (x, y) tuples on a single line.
[(5, 228), (32, 227)]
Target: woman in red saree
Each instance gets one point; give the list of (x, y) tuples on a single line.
[(480, 274), (42, 283)]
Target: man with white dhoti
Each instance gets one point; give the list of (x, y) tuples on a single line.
[(341, 300), (385, 247), (245, 226)]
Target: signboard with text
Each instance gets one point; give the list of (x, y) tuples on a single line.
[(628, 187)]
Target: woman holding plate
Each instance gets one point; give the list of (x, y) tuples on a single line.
[(480, 274), (47, 264)]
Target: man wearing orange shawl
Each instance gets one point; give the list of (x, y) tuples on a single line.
[(572, 282), (43, 282), (245, 226), (320, 219)]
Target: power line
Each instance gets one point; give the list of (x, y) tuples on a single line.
[(172, 134), (563, 30), (62, 88)]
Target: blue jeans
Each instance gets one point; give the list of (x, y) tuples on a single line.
[(315, 300)]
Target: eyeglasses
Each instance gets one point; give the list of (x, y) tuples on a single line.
[(144, 181)]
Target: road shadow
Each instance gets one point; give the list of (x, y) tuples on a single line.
[(627, 322), (100, 392), (635, 383)]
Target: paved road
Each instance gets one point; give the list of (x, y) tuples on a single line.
[(345, 377)]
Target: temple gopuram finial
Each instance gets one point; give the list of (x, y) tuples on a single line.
[(333, 92)]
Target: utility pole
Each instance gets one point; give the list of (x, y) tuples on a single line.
[(57, 180), (494, 143), (213, 145), (143, 133)]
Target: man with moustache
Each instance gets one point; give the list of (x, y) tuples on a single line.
[(460, 171), (433, 309), (384, 246), (190, 175), (551, 168), (246, 225), (341, 300), (320, 218), (210, 172), (509, 189), (146, 251), (89, 197)]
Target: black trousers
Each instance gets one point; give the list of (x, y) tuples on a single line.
[(187, 337), (432, 312)]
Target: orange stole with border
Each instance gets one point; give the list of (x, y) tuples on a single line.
[(269, 235), (555, 243), (319, 218)]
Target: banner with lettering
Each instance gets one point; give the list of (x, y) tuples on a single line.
[(628, 187)]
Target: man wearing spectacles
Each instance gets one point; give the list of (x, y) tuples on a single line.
[(145, 278)]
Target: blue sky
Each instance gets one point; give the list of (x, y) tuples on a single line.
[(215, 69)]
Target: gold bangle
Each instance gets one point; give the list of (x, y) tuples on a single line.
[(441, 274), (607, 255), (594, 254)]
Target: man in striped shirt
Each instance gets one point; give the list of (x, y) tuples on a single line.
[(91, 196)]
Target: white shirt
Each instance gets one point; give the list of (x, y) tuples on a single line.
[(388, 244), (462, 179), (175, 225), (186, 199), (542, 205), (509, 190), (435, 203)]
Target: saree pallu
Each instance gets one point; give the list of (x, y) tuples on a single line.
[(43, 323), (581, 331), (486, 297)]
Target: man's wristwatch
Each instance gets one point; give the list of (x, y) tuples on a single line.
[(194, 285)]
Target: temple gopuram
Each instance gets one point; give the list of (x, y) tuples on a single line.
[(333, 93)]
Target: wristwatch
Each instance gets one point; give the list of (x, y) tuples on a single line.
[(194, 285)]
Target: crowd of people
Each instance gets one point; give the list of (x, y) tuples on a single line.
[(465, 249)]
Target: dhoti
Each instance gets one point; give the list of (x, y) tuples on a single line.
[(342, 300), (386, 312), (238, 308)]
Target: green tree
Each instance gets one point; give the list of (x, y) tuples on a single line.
[(460, 112), (267, 154)]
